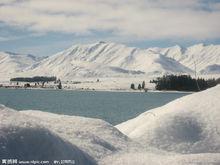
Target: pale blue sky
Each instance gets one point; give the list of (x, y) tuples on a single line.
[(44, 27)]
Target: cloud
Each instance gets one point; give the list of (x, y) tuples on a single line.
[(4, 39), (10, 38), (143, 19)]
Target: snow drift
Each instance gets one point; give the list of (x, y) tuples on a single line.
[(36, 135), (187, 125), (22, 138), (38, 144), (94, 136)]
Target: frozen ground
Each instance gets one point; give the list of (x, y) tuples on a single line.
[(103, 84), (185, 131), (106, 84)]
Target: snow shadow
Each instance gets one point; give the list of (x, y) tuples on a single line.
[(38, 144), (180, 134)]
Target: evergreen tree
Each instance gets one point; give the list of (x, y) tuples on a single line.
[(139, 86), (183, 83), (34, 79), (59, 85), (132, 86), (143, 85)]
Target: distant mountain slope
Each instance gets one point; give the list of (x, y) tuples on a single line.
[(107, 60), (103, 59), (211, 69), (201, 55), (11, 63)]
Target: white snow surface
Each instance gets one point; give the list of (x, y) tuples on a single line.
[(22, 137), (200, 55), (106, 60), (184, 131), (12, 63), (36, 135), (190, 124)]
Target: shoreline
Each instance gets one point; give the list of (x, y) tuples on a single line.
[(100, 90)]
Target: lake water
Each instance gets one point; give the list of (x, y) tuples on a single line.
[(113, 107)]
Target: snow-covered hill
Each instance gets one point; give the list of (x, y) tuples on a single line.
[(37, 135), (103, 59), (12, 63), (203, 57), (107, 60), (211, 69), (187, 125)]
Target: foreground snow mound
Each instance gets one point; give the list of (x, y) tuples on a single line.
[(37, 135), (94, 136), (38, 144), (23, 139), (187, 125), (148, 158)]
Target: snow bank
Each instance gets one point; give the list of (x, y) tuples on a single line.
[(22, 138), (36, 135), (148, 158), (190, 124), (94, 136)]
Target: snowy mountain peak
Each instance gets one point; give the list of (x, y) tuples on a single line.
[(9, 53), (197, 47), (104, 59), (102, 42), (108, 59)]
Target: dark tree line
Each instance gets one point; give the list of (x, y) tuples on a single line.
[(183, 83), (34, 79), (139, 87)]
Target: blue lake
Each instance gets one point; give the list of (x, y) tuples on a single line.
[(113, 107)]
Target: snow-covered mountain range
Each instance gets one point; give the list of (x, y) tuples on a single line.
[(114, 60), (206, 57)]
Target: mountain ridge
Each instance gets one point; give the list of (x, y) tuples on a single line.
[(82, 60), (107, 59)]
